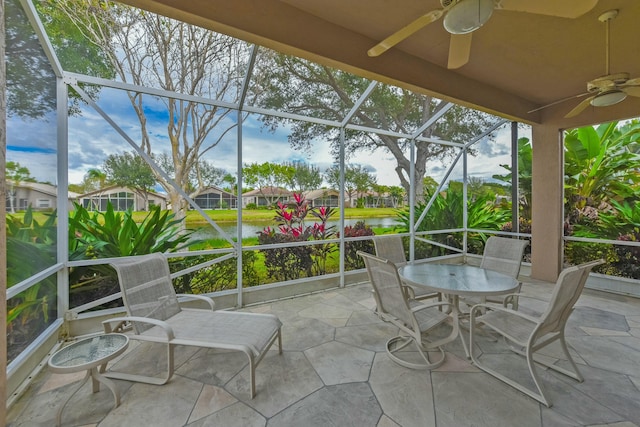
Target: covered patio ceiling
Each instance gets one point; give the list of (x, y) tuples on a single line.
[(518, 61)]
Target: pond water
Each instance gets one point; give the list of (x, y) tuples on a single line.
[(251, 229)]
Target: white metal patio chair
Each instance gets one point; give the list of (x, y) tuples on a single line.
[(391, 248), (503, 255), (534, 333), (414, 318), (153, 311)]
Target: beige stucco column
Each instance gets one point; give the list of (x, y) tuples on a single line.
[(546, 203)]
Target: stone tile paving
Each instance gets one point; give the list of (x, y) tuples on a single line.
[(335, 372)]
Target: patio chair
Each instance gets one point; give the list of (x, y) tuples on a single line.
[(391, 248), (414, 318), (504, 255), (533, 333), (156, 316)]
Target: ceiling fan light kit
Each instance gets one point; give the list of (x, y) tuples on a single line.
[(466, 16), (606, 90), (606, 99)]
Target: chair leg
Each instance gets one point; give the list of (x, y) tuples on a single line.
[(396, 344), (144, 378)]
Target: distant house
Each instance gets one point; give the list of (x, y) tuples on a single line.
[(216, 198), (323, 197), (266, 196), (122, 198), (35, 194)]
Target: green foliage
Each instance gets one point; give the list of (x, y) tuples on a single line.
[(294, 262), (446, 213), (129, 170), (599, 167), (30, 248), (525, 162), (357, 180), (111, 234), (218, 277), (352, 260)]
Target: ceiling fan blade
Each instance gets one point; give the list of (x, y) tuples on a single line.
[(632, 82), (561, 9), (405, 32), (632, 90), (459, 50), (559, 101), (579, 108)]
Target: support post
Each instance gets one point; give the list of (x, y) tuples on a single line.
[(546, 203)]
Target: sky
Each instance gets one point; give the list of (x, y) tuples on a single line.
[(32, 143)]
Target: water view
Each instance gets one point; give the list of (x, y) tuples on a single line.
[(251, 229)]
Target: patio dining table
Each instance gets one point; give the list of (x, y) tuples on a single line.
[(456, 280)]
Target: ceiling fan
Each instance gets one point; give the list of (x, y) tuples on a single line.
[(606, 90), (463, 17)]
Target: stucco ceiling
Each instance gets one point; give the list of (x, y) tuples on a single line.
[(518, 62)]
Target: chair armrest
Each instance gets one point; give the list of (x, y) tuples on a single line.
[(522, 295), (206, 299), (162, 324), (498, 307), (409, 292), (423, 306)]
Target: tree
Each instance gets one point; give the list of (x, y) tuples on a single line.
[(305, 177), (525, 160), (397, 195), (153, 51), (296, 85), (357, 180), (15, 174), (93, 180), (132, 171), (30, 79), (268, 176)]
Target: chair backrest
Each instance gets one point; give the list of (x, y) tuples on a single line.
[(147, 290), (387, 287), (503, 255), (390, 248), (565, 294)]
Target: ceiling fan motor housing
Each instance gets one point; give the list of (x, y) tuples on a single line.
[(466, 16), (606, 83)]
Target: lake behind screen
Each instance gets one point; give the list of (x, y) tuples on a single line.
[(251, 229)]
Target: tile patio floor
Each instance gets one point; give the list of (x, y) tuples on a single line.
[(334, 372)]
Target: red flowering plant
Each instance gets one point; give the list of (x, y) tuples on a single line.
[(288, 263)]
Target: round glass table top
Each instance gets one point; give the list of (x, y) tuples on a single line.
[(88, 352), (458, 279)]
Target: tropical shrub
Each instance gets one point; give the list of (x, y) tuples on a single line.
[(111, 234), (351, 259), (30, 249), (217, 277), (446, 213), (293, 262)]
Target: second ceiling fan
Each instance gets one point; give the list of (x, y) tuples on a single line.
[(463, 17)]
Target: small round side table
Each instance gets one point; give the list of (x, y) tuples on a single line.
[(88, 354)]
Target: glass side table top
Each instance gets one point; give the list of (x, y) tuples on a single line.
[(88, 352)]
